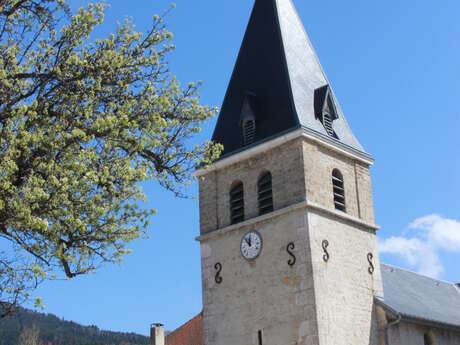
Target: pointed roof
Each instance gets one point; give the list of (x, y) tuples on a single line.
[(277, 66)]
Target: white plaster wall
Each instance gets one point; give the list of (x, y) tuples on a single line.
[(410, 334)]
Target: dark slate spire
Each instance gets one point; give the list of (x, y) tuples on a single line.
[(279, 82)]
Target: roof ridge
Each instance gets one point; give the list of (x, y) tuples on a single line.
[(315, 55), (186, 323), (422, 275), (302, 56), (457, 287), (307, 37)]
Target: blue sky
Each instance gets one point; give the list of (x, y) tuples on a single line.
[(395, 68)]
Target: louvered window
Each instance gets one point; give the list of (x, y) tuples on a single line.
[(265, 196), (339, 190), (325, 109), (329, 115), (237, 203), (327, 122), (249, 131)]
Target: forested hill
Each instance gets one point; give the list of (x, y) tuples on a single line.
[(28, 327)]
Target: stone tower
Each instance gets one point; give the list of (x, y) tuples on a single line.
[(288, 246)]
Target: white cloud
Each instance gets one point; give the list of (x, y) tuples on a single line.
[(421, 246)]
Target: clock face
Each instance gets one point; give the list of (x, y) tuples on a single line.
[(251, 245)]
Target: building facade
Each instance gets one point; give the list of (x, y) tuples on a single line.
[(287, 231), (317, 263)]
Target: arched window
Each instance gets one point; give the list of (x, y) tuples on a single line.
[(339, 190), (265, 194), (237, 202)]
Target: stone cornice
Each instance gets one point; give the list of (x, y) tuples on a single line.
[(306, 133), (307, 205)]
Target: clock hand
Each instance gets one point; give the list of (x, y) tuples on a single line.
[(250, 241)]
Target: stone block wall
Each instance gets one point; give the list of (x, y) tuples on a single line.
[(319, 162), (344, 288), (265, 294), (285, 163), (313, 302), (301, 170), (208, 202), (364, 192)]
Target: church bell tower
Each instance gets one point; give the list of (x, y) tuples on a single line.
[(287, 232)]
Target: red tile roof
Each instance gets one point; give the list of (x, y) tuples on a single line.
[(191, 333)]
